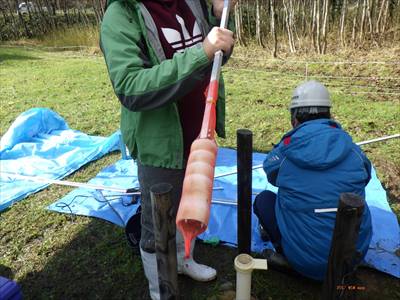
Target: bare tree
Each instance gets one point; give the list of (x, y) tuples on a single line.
[(318, 41), (289, 28), (355, 17), (273, 29), (362, 22), (324, 26), (342, 32), (314, 26), (258, 25), (239, 23)]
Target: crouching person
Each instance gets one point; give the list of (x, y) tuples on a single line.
[(311, 166)]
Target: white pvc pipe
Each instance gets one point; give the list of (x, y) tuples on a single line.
[(244, 266), (384, 138), (71, 183)]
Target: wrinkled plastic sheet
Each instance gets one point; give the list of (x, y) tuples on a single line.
[(40, 143), (223, 217)]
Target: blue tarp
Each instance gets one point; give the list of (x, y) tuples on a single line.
[(223, 217), (40, 143), (109, 205)]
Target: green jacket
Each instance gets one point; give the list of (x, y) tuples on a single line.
[(148, 85)]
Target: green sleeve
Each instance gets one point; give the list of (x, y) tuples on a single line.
[(214, 21), (139, 83)]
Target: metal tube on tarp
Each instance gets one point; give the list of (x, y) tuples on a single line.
[(165, 242), (343, 257), (244, 189)]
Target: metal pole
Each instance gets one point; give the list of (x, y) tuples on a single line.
[(244, 189), (164, 234), (131, 191), (384, 138), (343, 256)]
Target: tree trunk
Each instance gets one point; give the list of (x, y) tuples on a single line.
[(343, 24), (11, 12), (378, 21), (353, 34), (273, 29), (318, 22), (258, 25), (384, 18), (324, 26), (239, 24), (288, 27), (362, 22), (314, 26)]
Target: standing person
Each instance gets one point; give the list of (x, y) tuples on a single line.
[(159, 54), (312, 165)]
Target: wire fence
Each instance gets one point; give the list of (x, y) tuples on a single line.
[(288, 73), (321, 62), (352, 84)]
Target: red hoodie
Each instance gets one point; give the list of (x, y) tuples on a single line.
[(177, 30)]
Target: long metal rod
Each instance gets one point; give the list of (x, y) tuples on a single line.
[(384, 138), (130, 191)]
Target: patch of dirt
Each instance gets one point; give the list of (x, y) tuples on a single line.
[(391, 179)]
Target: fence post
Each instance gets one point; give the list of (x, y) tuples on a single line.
[(343, 256), (244, 189), (164, 234)]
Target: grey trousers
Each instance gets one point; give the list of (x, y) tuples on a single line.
[(149, 176)]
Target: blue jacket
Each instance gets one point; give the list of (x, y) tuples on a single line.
[(312, 165)]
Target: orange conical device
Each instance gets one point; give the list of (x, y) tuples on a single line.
[(194, 208)]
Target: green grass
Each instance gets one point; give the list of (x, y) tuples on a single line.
[(54, 256)]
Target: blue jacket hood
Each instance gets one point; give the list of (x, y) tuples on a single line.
[(326, 135)]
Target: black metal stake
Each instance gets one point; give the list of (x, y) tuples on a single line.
[(164, 233), (343, 256), (244, 182)]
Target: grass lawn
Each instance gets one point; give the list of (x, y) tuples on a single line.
[(55, 256)]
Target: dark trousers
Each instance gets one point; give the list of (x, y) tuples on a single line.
[(149, 176), (264, 209)]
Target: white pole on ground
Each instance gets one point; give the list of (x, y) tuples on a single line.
[(384, 138), (131, 191)]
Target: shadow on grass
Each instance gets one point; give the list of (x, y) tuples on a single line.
[(98, 264), (4, 56), (6, 271)]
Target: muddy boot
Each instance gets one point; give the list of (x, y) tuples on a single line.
[(188, 266)]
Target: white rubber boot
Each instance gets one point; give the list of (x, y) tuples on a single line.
[(149, 261), (188, 266)]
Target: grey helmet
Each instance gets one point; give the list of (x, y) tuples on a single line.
[(310, 94)]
